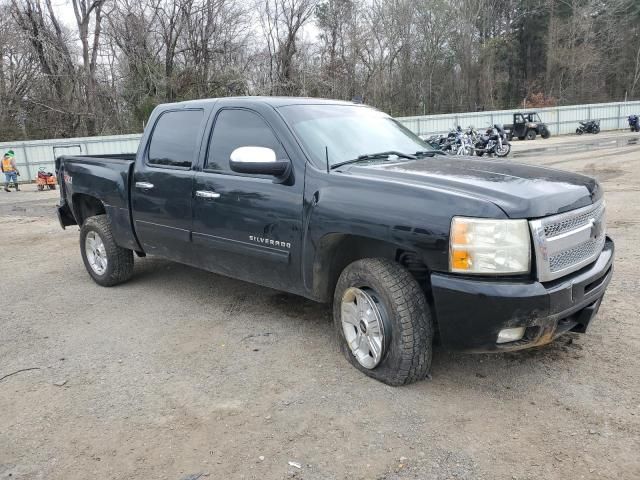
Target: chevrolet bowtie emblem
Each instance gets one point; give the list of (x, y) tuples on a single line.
[(596, 228)]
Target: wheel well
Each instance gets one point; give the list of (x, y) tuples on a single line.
[(336, 251), (85, 206)]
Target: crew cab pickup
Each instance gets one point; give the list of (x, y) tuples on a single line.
[(340, 203)]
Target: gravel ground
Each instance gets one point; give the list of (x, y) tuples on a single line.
[(182, 374)]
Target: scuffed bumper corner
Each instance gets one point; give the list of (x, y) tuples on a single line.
[(471, 312)]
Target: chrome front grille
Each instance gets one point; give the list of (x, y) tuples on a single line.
[(574, 255), (572, 222), (567, 242)]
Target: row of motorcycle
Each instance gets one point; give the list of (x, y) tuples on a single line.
[(593, 126), (493, 141)]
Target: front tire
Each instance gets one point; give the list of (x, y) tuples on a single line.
[(579, 131), (106, 262), (383, 321), (504, 151)]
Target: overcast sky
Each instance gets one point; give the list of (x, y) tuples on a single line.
[(64, 12)]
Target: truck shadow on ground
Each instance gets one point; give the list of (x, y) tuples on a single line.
[(290, 312)]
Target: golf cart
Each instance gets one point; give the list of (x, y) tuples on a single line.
[(527, 125)]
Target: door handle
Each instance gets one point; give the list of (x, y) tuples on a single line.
[(207, 194), (144, 185)]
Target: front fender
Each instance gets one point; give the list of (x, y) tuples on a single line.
[(385, 217)]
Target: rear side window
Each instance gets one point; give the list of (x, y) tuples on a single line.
[(239, 128), (175, 138)]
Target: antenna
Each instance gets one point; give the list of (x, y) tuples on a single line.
[(326, 156)]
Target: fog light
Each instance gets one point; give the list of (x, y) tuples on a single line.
[(510, 335)]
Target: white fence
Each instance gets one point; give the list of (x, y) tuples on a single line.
[(31, 155), (561, 120), (34, 154)]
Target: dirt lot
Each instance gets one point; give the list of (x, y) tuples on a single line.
[(181, 374)]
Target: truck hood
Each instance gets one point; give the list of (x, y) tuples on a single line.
[(521, 191)]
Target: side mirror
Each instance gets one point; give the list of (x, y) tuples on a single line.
[(258, 161)]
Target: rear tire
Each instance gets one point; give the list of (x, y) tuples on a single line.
[(531, 134), (521, 138), (404, 315), (596, 130), (107, 263)]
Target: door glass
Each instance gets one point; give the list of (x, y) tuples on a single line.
[(239, 128), (175, 139)]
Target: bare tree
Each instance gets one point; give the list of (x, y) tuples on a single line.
[(87, 12), (51, 46), (121, 58), (282, 21)]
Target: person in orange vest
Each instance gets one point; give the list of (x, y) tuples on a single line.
[(10, 170)]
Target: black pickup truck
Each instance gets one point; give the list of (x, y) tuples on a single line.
[(339, 202)]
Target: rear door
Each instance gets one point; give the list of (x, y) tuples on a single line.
[(163, 183), (247, 226)]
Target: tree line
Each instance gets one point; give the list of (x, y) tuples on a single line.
[(104, 73)]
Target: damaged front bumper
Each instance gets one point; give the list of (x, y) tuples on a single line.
[(471, 312)]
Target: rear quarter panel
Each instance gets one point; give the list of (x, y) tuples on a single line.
[(106, 180)]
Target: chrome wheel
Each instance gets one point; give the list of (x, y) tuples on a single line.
[(95, 252), (363, 326), (503, 150)]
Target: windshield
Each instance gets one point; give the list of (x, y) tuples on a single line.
[(348, 131)]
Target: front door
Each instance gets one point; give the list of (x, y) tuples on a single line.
[(519, 126), (163, 184), (246, 226)]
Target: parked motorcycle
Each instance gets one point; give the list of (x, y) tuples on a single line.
[(448, 143), (634, 123), (588, 126), (436, 141), (466, 142), (493, 142)]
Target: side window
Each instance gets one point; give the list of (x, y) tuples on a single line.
[(175, 138), (238, 128)]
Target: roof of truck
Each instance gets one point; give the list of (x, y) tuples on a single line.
[(275, 102)]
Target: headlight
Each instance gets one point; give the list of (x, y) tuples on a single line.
[(483, 246)]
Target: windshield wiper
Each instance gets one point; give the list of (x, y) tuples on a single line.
[(374, 156), (428, 153)]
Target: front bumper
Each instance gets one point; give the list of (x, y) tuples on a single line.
[(471, 312)]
